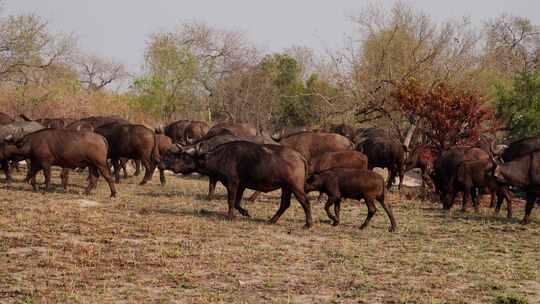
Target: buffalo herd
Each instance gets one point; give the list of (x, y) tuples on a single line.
[(337, 161)]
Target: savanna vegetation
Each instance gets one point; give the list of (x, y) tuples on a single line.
[(448, 82)]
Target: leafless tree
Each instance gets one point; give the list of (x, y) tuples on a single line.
[(96, 73)]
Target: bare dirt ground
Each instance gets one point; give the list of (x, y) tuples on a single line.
[(169, 244)]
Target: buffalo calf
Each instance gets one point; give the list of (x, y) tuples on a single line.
[(356, 184)]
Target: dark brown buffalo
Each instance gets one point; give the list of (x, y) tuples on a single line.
[(53, 123), (241, 165), (175, 130), (385, 153), (133, 142), (5, 119), (342, 129), (421, 157), (211, 143), (474, 176), (56, 123), (311, 144), (446, 165), (522, 172), (339, 183), (522, 147), (194, 131), (94, 122), (288, 131), (237, 129), (65, 148), (363, 134), (164, 144), (15, 131)]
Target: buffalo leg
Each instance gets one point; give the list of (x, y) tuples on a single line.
[(494, 196), (137, 164), (506, 194), (7, 171), (466, 194), (401, 174), (64, 176), (389, 212), (47, 173), (92, 179), (106, 173), (31, 175), (162, 179), (238, 200), (231, 199), (304, 202), (337, 210), (391, 178), (211, 187), (531, 199), (149, 168), (284, 205), (371, 212), (331, 201), (116, 166), (124, 167), (475, 195)]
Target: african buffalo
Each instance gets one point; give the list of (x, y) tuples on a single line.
[(241, 165), (311, 144), (339, 183), (363, 134), (64, 148), (237, 129), (211, 143), (93, 122), (341, 159), (520, 148), (475, 175), (288, 131), (342, 129), (175, 130), (522, 172), (164, 144), (445, 166), (15, 130), (421, 157), (194, 131), (385, 153), (134, 142)]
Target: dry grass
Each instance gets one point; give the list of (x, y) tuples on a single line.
[(168, 244)]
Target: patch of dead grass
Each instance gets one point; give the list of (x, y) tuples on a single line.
[(169, 244)]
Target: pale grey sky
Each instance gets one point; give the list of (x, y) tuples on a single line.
[(119, 28)]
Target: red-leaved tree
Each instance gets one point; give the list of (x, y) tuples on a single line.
[(449, 115)]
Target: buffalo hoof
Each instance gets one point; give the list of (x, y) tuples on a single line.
[(142, 183), (308, 226), (392, 229), (271, 222), (524, 222), (335, 224)]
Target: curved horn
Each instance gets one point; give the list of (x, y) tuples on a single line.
[(191, 151)]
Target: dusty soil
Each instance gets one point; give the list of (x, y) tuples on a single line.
[(170, 245)]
